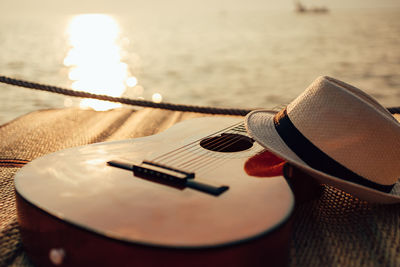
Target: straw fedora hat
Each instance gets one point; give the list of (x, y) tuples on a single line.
[(339, 135)]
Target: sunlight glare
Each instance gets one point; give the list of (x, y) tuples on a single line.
[(157, 98), (131, 82), (94, 59)]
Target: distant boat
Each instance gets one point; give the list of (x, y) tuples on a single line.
[(301, 8)]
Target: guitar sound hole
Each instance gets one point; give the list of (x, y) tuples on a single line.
[(227, 143)]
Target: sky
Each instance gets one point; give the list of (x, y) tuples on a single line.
[(23, 7)]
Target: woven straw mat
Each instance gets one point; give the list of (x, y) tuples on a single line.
[(333, 230)]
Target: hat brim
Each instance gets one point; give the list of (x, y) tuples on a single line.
[(260, 126)]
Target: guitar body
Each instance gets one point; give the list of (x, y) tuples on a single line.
[(75, 209)]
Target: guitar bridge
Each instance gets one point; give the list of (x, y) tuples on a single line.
[(169, 176), (155, 170)]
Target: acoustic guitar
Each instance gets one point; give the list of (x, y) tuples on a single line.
[(178, 198)]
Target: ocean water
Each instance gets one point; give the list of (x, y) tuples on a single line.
[(228, 57)]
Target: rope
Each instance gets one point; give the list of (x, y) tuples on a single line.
[(135, 102), (127, 101)]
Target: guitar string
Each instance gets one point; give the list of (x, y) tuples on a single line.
[(199, 154), (219, 161), (219, 144), (187, 150), (211, 165), (200, 160), (191, 155), (177, 151), (205, 168), (216, 144), (208, 164)]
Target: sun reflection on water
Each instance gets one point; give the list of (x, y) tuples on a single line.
[(156, 97), (94, 59)]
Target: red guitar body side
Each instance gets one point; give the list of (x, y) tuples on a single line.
[(42, 232)]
